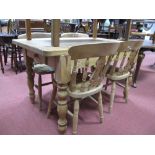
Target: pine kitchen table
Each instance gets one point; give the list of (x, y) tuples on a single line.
[(42, 51)]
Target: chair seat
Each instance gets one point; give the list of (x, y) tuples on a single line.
[(79, 94), (43, 69)]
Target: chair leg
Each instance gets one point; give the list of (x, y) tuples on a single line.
[(19, 57), (40, 91), (75, 116), (1, 62), (100, 106), (5, 55), (130, 80), (126, 89), (12, 60), (54, 92), (106, 85), (15, 61), (112, 96)]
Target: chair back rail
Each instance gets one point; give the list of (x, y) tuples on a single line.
[(126, 57), (85, 81)]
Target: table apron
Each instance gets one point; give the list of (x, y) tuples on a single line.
[(51, 61)]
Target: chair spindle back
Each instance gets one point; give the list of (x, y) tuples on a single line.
[(126, 57), (86, 81)]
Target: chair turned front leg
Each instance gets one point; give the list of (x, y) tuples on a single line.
[(126, 89), (130, 80), (106, 85), (40, 91), (75, 116), (100, 106), (112, 96)]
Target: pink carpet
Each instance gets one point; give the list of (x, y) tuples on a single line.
[(18, 116)]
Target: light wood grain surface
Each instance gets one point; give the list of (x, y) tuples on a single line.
[(43, 46)]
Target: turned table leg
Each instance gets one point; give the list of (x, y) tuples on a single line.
[(138, 65), (30, 77), (62, 78), (62, 107)]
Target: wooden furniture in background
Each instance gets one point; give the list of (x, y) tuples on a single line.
[(123, 67), (100, 35), (80, 28), (8, 49), (128, 29), (147, 46), (0, 28), (1, 59), (153, 38), (6, 46), (37, 25), (118, 32), (65, 27), (17, 56)]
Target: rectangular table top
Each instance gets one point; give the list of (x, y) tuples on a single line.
[(43, 46)]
